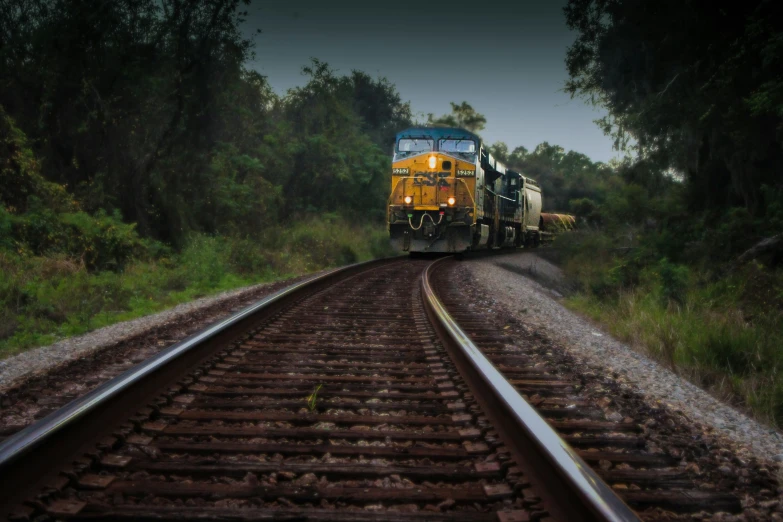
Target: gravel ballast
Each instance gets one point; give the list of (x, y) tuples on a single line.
[(512, 281)]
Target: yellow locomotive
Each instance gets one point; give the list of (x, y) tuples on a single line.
[(450, 195)]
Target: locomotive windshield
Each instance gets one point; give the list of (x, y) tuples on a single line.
[(415, 145), (465, 146)]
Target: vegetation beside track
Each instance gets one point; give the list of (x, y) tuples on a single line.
[(47, 298), (65, 270), (669, 255), (724, 334)]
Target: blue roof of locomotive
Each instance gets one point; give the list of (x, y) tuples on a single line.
[(437, 133)]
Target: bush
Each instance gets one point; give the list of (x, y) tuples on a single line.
[(101, 242), (380, 246), (626, 272), (205, 259), (40, 217), (587, 259), (674, 281), (732, 233), (104, 242), (78, 298), (322, 243), (46, 297), (247, 257)]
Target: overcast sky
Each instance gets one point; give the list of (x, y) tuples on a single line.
[(506, 60)]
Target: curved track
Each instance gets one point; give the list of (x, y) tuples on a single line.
[(658, 465), (336, 399)]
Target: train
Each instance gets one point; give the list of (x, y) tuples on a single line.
[(449, 194)]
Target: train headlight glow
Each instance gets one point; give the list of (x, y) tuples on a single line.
[(433, 162), (451, 201), (408, 200)]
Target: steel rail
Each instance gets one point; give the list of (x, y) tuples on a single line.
[(42, 447), (570, 488)]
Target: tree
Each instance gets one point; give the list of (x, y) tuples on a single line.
[(379, 105), (698, 86), (463, 116), (124, 99), (145, 109), (332, 161), (500, 151), (563, 176)]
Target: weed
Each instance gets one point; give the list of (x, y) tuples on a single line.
[(313, 398), (669, 339)]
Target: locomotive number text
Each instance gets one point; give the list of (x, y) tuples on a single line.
[(466, 173), (402, 170)]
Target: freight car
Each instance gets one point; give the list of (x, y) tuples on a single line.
[(448, 194)]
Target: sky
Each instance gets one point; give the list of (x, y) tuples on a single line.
[(506, 59)]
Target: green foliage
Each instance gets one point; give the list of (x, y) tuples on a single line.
[(204, 259), (567, 179), (240, 197), (583, 207), (500, 151), (656, 275), (674, 281), (731, 235), (333, 157), (699, 106), (702, 96), (21, 181), (159, 169), (43, 299), (163, 170), (629, 204), (710, 340), (160, 120), (462, 115), (773, 199), (40, 217), (101, 241), (6, 224)]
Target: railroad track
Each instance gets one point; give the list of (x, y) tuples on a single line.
[(352, 396), (658, 466), (332, 400)]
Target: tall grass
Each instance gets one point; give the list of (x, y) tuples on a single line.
[(725, 335), (44, 299)]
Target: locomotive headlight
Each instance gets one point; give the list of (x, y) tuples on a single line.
[(408, 200), (451, 201), (433, 162)]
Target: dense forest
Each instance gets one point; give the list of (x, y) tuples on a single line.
[(144, 163), (680, 251)]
